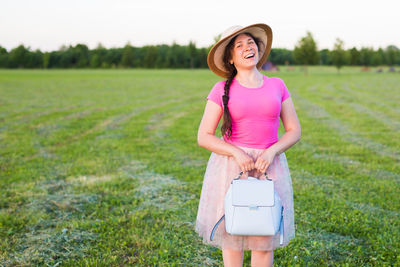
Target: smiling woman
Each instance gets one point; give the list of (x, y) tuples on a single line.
[(251, 105)]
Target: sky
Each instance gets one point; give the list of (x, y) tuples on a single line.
[(49, 24)]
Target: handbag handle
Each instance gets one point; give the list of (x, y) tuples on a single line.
[(265, 173)]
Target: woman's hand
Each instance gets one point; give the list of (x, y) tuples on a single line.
[(266, 158), (245, 162)]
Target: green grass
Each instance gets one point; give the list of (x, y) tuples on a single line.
[(102, 167)]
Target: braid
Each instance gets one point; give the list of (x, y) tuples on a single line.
[(227, 124)]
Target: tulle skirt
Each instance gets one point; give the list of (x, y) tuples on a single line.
[(218, 176)]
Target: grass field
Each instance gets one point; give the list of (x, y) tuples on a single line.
[(102, 168)]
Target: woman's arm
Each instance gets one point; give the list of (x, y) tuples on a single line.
[(292, 128), (206, 137)]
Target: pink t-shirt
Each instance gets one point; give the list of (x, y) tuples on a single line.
[(255, 111)]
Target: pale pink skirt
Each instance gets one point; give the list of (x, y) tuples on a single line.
[(218, 176)]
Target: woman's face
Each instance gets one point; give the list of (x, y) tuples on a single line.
[(244, 52)]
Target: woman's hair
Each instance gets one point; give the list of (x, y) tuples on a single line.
[(226, 127)]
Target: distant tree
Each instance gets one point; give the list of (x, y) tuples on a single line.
[(113, 57), (338, 54), (175, 59), (378, 57), (161, 58), (63, 48), (169, 58), (391, 55), (95, 61), (280, 56), (34, 59), (325, 57), (18, 57), (65, 58), (202, 56), (150, 57), (73, 57), (192, 51), (97, 56), (305, 52), (3, 57), (54, 59), (354, 55), (46, 60), (81, 55), (366, 55), (127, 56)]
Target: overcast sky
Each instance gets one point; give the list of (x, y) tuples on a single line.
[(48, 24)]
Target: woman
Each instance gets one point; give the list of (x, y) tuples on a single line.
[(251, 104)]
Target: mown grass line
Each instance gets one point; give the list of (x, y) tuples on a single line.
[(362, 106), (384, 88), (348, 134), (374, 172), (359, 186), (318, 132), (372, 100), (376, 125), (74, 130), (344, 168)]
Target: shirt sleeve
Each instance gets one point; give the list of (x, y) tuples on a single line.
[(284, 91), (216, 94)]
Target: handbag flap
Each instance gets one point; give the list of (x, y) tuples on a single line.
[(252, 192)]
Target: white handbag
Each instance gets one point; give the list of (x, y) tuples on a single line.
[(252, 207)]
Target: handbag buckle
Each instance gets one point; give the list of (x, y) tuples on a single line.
[(253, 207)]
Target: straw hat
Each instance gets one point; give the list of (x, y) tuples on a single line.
[(216, 54)]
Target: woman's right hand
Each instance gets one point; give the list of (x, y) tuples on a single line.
[(245, 162)]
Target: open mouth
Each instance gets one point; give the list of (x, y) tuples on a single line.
[(251, 55)]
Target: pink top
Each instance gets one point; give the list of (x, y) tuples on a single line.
[(255, 111)]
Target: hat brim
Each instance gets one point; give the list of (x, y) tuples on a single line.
[(260, 31)]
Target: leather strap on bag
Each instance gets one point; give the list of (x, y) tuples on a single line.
[(215, 227)]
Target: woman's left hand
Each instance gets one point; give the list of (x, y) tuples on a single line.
[(266, 158)]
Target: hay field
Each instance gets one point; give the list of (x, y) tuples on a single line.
[(102, 168)]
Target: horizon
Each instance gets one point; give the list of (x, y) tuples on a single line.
[(121, 47)]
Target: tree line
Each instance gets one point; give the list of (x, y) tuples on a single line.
[(306, 53), (188, 56), (80, 56)]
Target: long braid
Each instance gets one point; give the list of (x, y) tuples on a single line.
[(227, 124)]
